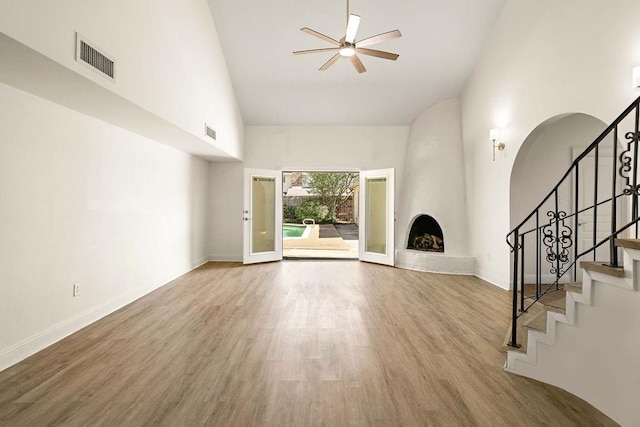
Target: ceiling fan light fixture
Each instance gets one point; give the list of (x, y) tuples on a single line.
[(347, 51)]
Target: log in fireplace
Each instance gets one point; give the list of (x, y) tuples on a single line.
[(426, 235)]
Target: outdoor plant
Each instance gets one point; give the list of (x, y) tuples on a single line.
[(289, 213), (313, 209), (332, 188)]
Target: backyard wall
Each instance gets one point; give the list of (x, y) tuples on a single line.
[(297, 148)]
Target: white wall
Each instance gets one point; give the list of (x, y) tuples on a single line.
[(543, 59), (225, 211), (299, 147), (168, 57), (85, 202)]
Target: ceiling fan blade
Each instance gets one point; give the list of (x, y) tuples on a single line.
[(378, 53), (304, 52), (352, 28), (390, 35), (330, 62), (320, 36), (358, 64)]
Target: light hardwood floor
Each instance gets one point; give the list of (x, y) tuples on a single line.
[(291, 343)]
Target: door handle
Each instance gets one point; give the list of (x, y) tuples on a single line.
[(246, 218)]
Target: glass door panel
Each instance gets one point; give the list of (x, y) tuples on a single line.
[(262, 216), (377, 216)]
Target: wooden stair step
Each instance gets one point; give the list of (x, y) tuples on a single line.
[(573, 287), (522, 335), (628, 243), (522, 339), (558, 305), (537, 322), (602, 267)]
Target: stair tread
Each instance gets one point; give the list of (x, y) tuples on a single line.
[(602, 267), (537, 322), (522, 335), (628, 243), (573, 287), (522, 339), (558, 305)]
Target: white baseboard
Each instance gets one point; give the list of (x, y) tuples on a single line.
[(226, 257), (44, 339), (494, 282), (200, 261)]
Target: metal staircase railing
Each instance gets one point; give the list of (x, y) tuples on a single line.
[(594, 202)]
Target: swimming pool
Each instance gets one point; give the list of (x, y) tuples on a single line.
[(295, 231)]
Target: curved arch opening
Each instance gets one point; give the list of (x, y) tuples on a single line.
[(543, 159)]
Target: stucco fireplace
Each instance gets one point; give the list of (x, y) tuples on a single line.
[(432, 222)]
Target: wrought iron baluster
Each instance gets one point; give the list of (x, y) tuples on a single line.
[(575, 222), (538, 257), (514, 307), (522, 272), (595, 201), (557, 218), (613, 253), (635, 193)]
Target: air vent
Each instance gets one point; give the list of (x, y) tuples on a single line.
[(210, 132), (96, 59)]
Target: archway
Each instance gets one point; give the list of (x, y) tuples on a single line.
[(544, 157)]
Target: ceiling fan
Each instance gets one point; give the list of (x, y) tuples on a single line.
[(347, 46)]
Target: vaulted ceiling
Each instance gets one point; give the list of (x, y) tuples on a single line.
[(440, 44)]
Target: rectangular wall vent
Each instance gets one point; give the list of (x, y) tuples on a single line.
[(210, 132), (94, 58)]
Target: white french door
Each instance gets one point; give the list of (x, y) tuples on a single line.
[(377, 216), (262, 216)]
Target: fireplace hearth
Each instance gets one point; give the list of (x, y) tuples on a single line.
[(426, 235)]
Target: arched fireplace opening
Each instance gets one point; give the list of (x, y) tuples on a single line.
[(426, 235)]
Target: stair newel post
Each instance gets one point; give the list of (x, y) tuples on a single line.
[(522, 272), (514, 306), (613, 253), (538, 258), (576, 224)]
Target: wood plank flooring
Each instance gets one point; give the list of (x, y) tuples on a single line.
[(291, 343)]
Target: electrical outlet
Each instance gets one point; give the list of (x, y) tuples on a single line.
[(489, 256), (76, 289)]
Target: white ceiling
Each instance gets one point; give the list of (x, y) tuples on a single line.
[(441, 41)]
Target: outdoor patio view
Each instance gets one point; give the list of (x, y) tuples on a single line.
[(320, 212)]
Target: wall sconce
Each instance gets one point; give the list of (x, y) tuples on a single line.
[(636, 77), (494, 134)]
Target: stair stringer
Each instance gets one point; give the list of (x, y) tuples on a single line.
[(591, 281), (553, 318), (631, 259)]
